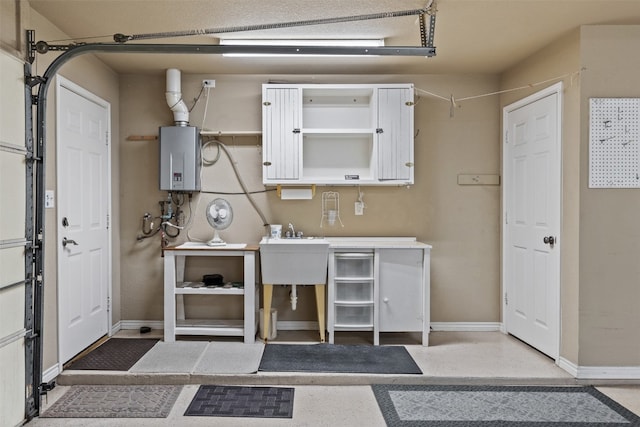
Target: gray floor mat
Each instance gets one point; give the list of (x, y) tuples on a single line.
[(115, 354), (235, 401), (115, 401), (338, 358)]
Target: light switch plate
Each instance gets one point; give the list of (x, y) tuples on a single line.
[(49, 199), (359, 208)]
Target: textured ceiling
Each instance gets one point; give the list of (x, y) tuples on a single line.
[(471, 36)]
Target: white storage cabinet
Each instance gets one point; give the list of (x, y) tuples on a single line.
[(379, 286), (337, 134), (401, 293)]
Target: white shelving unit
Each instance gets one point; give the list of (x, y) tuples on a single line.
[(352, 294), (338, 134), (175, 289)]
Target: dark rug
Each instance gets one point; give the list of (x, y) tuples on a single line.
[(440, 406), (236, 401), (115, 401), (115, 354), (356, 359)]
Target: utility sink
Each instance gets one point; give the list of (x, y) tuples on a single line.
[(299, 261)]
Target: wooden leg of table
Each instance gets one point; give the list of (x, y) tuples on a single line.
[(320, 308), (267, 291)]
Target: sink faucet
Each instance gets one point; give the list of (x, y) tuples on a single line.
[(293, 231)]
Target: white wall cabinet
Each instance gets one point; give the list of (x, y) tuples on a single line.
[(378, 285), (337, 134)]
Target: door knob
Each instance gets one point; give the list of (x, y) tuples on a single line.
[(550, 240), (66, 242)]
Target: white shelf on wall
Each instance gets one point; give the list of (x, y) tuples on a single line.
[(230, 133)]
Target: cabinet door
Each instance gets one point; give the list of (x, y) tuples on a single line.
[(401, 296), (281, 134), (395, 134)]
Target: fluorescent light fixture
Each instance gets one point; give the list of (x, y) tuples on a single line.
[(300, 43)]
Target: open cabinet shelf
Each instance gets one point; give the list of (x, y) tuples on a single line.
[(338, 134)]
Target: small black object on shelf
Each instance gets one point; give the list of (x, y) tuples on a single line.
[(213, 280)]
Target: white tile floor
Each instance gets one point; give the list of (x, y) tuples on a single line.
[(451, 358)]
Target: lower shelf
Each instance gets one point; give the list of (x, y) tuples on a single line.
[(352, 327), (210, 327)]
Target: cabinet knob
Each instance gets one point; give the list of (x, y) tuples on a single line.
[(296, 130), (266, 163), (379, 130), (385, 300), (266, 103), (409, 164)]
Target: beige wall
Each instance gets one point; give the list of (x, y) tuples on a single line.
[(561, 58), (462, 223), (94, 76), (609, 223)]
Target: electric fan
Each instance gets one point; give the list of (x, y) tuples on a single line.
[(219, 216)]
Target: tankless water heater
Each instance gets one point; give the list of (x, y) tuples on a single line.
[(179, 158)]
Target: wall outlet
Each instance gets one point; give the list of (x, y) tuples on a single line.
[(359, 208), (208, 83)]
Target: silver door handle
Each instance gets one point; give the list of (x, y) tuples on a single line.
[(66, 242)]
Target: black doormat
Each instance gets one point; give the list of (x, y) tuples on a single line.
[(356, 359), (521, 406), (115, 401), (236, 401), (115, 354)]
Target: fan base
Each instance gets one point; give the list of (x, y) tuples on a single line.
[(216, 243)]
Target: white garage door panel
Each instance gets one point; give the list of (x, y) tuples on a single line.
[(12, 227), (11, 265), (11, 310), (12, 386), (12, 105), (12, 188)]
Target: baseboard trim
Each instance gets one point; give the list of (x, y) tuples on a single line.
[(51, 373), (285, 325), (567, 365), (599, 372), (297, 325), (466, 326), (608, 373), (137, 324), (310, 325)]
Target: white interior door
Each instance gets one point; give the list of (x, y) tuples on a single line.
[(83, 212), (532, 201)]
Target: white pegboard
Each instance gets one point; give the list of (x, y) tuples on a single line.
[(614, 153)]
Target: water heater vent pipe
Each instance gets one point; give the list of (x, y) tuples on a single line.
[(174, 98)]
